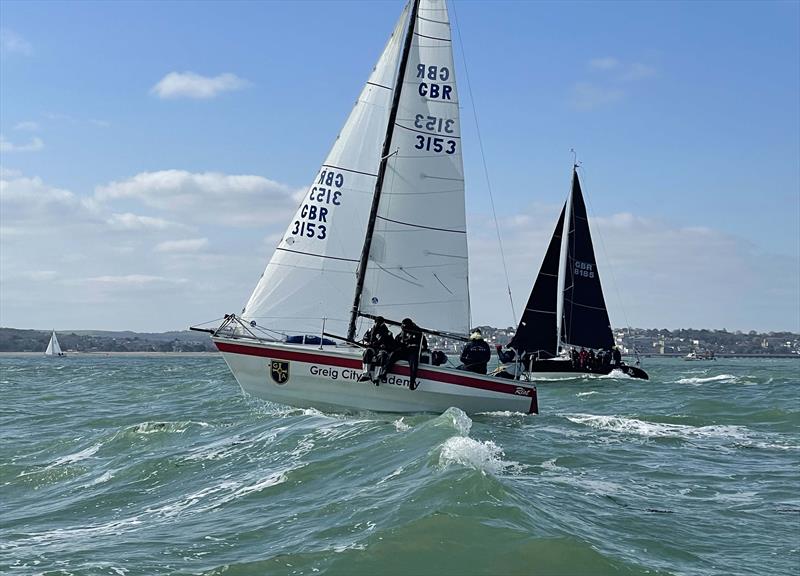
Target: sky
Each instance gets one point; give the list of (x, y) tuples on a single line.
[(152, 152)]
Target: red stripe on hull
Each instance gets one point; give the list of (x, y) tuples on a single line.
[(315, 358)]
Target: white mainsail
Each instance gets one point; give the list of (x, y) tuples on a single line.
[(418, 264), (312, 273), (53, 348)]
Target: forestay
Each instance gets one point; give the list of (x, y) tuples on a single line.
[(417, 264), (312, 272)]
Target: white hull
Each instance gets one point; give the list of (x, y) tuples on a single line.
[(327, 379)]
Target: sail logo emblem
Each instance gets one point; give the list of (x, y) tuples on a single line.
[(279, 371)]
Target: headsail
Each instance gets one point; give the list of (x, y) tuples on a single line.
[(586, 320), (417, 263), (538, 328), (312, 272)]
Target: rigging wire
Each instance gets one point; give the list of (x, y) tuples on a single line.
[(483, 158), (610, 267)]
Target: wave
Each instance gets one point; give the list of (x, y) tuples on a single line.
[(486, 456), (579, 394), (719, 378), (658, 429)]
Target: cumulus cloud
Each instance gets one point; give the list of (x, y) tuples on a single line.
[(13, 43), (189, 245), (191, 85), (33, 145), (654, 273), (207, 197)]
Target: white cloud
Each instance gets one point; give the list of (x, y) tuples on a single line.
[(190, 245), (654, 274), (28, 126), (612, 80), (587, 96), (135, 280), (606, 63), (13, 43), (191, 85), (33, 145), (128, 221), (232, 200)]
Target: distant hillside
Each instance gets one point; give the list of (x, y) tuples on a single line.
[(14, 340)]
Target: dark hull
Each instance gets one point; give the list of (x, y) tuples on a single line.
[(564, 367)]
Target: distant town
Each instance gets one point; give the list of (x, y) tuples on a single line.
[(646, 342)]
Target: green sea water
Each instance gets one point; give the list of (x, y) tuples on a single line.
[(147, 466)]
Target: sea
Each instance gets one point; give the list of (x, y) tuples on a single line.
[(161, 465)]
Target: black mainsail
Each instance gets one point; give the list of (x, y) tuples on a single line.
[(584, 321), (538, 327)]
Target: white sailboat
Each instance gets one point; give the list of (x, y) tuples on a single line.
[(53, 347), (380, 231), (566, 308)]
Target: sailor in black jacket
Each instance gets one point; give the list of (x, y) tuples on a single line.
[(476, 353), (380, 344)]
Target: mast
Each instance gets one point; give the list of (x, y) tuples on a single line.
[(562, 263), (362, 264)]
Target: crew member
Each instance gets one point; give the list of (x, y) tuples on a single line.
[(617, 357), (380, 343), (410, 344), (476, 353)]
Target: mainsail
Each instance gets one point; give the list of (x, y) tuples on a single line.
[(586, 320), (382, 230), (53, 348), (417, 263), (569, 283)]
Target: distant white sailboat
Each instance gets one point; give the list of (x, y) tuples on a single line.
[(53, 348), (380, 231)]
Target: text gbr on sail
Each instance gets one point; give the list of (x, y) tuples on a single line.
[(434, 89)]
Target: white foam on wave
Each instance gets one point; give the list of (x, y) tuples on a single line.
[(77, 456), (401, 426), (458, 418), (503, 414), (487, 457), (718, 378), (177, 427), (579, 394), (616, 374), (658, 429), (105, 477), (73, 535)]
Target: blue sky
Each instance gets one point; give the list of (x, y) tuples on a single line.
[(685, 116)]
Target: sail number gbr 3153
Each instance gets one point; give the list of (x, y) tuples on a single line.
[(434, 143), (314, 213)]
